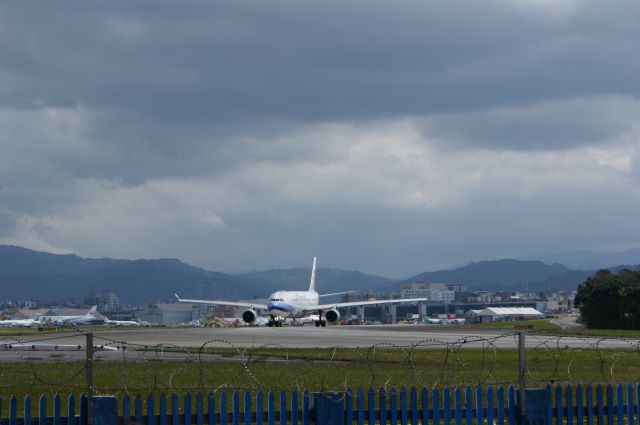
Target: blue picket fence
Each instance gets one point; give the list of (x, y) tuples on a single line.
[(606, 405)]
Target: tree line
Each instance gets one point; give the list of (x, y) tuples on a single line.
[(610, 301)]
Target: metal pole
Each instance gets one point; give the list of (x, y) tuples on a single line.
[(89, 351), (522, 399)]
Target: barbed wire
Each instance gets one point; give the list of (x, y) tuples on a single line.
[(128, 367)]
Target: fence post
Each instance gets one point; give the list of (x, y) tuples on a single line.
[(522, 380), (89, 353), (105, 410), (327, 408)]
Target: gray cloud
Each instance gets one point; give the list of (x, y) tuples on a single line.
[(389, 137)]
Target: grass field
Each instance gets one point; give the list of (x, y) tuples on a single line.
[(315, 370)]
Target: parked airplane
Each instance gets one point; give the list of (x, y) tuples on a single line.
[(87, 319), (282, 304), (110, 322), (18, 323)]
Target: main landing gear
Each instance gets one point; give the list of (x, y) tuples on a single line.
[(274, 322), (320, 321)]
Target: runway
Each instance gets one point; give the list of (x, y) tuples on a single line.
[(151, 341)]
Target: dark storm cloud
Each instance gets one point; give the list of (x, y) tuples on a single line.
[(216, 131), (335, 61)]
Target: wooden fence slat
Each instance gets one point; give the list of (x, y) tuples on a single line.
[(271, 406), (457, 395), (13, 411), (599, 397), (383, 407), (164, 420), (393, 406), (479, 415), (211, 408), (283, 408), (71, 410), (372, 409), (305, 408), (26, 413), (414, 406), (435, 406), (637, 409), (175, 409), (468, 403), (223, 409), (137, 408), (404, 415), (630, 408), (294, 408), (187, 409), (425, 406), (199, 409), (247, 408), (235, 410), (490, 404), (57, 410), (501, 405), (590, 405), (349, 406), (151, 410), (579, 405), (620, 405), (446, 406), (549, 405), (610, 405), (42, 410), (259, 407), (84, 414), (559, 412), (126, 409), (360, 404), (569, 402)]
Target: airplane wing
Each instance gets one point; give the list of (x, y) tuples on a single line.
[(220, 302), (359, 303)]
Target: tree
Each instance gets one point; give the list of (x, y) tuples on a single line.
[(610, 301)]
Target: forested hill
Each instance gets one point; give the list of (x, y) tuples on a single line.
[(27, 274)]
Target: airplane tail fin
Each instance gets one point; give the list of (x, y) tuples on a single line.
[(92, 311), (312, 284)]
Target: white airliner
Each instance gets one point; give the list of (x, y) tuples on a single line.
[(284, 304), (87, 319)]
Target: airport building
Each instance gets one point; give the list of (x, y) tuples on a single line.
[(433, 291)]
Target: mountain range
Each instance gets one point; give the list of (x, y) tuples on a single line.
[(27, 274)]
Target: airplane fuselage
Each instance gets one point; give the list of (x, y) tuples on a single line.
[(291, 303)]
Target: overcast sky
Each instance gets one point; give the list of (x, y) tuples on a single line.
[(392, 137)]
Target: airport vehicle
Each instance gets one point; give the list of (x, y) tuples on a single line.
[(87, 319), (283, 304)]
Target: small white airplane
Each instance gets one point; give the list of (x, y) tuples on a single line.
[(282, 304), (87, 319), (110, 322), (18, 323)]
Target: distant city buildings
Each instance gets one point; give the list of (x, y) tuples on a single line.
[(433, 291)]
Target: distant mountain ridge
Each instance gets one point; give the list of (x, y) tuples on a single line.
[(27, 274), (500, 274)]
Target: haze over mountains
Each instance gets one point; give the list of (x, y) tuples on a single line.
[(27, 274)]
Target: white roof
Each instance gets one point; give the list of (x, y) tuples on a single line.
[(511, 311)]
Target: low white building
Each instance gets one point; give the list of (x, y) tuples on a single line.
[(497, 314)]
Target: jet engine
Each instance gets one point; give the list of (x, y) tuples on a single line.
[(332, 315), (249, 316)]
